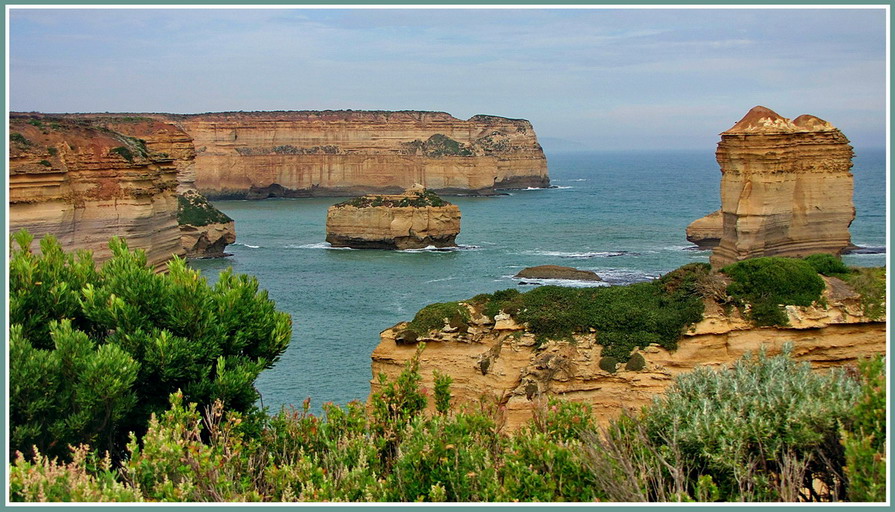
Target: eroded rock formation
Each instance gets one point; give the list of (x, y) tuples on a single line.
[(413, 220), (706, 231), (557, 272), (786, 189), (83, 183), (86, 178), (347, 153), (497, 356)]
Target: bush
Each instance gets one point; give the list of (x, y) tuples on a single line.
[(95, 352), (765, 416), (871, 284), (433, 317), (864, 436), (769, 283), (636, 363), (827, 264), (123, 152)]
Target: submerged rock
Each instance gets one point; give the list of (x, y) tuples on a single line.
[(557, 272), (416, 219)]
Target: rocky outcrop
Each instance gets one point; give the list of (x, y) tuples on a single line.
[(499, 357), (149, 149), (347, 153), (706, 231), (413, 220), (557, 272), (786, 189), (84, 182)]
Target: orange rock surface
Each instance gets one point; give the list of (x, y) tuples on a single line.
[(349, 153), (786, 189), (498, 357)]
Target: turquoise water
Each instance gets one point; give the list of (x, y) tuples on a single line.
[(622, 215)]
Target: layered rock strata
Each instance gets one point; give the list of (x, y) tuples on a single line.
[(86, 178), (498, 357), (413, 220), (255, 155), (786, 189), (84, 183), (706, 231)]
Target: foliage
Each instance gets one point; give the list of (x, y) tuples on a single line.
[(123, 152), (827, 264), (420, 199), (95, 352), (194, 209), (864, 436), (434, 316), (608, 364), (442, 392), (52, 151), (437, 145), (871, 284), (768, 283), (635, 363), (45, 163), (625, 317), (745, 424), (19, 139)]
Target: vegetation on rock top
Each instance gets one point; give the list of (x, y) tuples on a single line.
[(418, 200), (193, 209), (437, 145)]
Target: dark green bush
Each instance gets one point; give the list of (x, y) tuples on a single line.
[(19, 139), (635, 363), (97, 351), (123, 152), (827, 264), (871, 284), (769, 283), (608, 364), (46, 163), (433, 317), (864, 435)]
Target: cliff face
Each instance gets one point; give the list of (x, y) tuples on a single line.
[(706, 231), (345, 153), (84, 182), (45, 203), (408, 221), (786, 189), (498, 356)]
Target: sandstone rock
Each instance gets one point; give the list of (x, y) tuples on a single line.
[(205, 231), (83, 182), (706, 231), (514, 372), (786, 189), (413, 220), (557, 272), (346, 153)]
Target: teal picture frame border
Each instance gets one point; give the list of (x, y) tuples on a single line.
[(500, 3)]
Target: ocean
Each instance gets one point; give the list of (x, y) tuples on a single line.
[(621, 214)]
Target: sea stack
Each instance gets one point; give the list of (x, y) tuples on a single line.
[(416, 219), (786, 188)]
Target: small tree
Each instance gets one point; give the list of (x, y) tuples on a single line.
[(94, 352)]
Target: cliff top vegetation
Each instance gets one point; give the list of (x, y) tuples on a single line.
[(415, 199)]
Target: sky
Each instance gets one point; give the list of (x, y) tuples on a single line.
[(601, 79)]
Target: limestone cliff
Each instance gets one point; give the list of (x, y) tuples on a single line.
[(786, 189), (346, 153), (412, 220), (85, 220), (499, 357), (706, 231), (84, 183)]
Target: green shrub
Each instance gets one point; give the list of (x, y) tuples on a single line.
[(442, 392), (433, 317), (19, 139), (635, 363), (827, 264), (52, 151), (864, 435), (769, 283), (46, 163), (871, 284), (95, 352), (608, 364), (123, 152), (755, 420)]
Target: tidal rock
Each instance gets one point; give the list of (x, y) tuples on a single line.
[(416, 219), (706, 231), (786, 189), (557, 272), (205, 231)]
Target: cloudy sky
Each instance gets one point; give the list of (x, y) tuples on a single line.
[(591, 78)]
